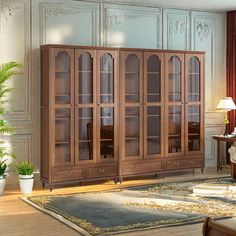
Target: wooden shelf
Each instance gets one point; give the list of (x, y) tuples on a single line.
[(62, 95), (174, 135), (84, 141), (58, 142), (131, 138), (62, 118), (85, 71), (62, 71)]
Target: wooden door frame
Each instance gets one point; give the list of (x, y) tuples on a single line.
[(160, 104), (78, 53)]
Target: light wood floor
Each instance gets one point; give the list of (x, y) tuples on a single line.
[(17, 218)]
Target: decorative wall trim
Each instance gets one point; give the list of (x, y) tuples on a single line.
[(9, 10), (203, 29), (117, 16), (22, 147), (176, 29), (178, 25), (203, 39), (54, 9)]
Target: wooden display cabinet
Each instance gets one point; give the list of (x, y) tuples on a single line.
[(96, 124), (185, 110), (79, 94), (142, 107)]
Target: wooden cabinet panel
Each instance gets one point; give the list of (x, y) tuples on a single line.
[(138, 168), (101, 171), (184, 164), (69, 174)]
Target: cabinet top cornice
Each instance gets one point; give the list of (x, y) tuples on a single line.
[(45, 46)]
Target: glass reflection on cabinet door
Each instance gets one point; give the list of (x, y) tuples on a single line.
[(194, 128), (153, 79), (132, 70), (62, 136), (174, 79), (174, 127), (85, 124), (106, 132), (153, 130), (62, 78), (106, 79), (132, 132), (85, 84), (194, 80)]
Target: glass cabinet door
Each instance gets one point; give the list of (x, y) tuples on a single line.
[(153, 104), (64, 63), (63, 84), (133, 104), (175, 108), (63, 136), (106, 107), (193, 99), (84, 106)]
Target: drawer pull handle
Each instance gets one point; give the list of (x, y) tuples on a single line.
[(176, 163), (68, 174), (101, 170)]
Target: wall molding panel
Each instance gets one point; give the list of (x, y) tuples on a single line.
[(124, 26), (15, 45), (64, 23), (176, 29)]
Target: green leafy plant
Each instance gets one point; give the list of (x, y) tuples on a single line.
[(7, 72), (3, 168), (24, 168)]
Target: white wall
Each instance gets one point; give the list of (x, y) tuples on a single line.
[(25, 24)]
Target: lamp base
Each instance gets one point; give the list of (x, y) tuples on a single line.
[(226, 132)]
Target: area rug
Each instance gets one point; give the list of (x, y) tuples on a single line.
[(138, 208)]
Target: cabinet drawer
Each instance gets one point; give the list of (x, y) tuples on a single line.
[(61, 175), (183, 164), (141, 167), (102, 171)]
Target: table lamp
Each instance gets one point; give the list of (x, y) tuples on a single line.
[(226, 104)]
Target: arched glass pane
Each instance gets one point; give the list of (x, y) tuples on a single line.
[(153, 79), (132, 79), (194, 80), (85, 78), (62, 78), (106, 79), (174, 79)]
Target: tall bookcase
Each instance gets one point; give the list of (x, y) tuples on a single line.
[(114, 113)]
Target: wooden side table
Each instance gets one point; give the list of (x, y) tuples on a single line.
[(229, 139)]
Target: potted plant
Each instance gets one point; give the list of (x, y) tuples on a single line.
[(7, 71), (3, 170), (25, 169)]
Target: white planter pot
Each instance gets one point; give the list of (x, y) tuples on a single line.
[(26, 183), (2, 184)]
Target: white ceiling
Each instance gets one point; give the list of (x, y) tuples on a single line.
[(216, 5)]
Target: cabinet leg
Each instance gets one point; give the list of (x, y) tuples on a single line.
[(80, 183), (50, 188), (193, 171), (155, 175), (163, 176), (202, 170), (43, 185)]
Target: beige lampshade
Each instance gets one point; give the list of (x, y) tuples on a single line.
[(226, 104)]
